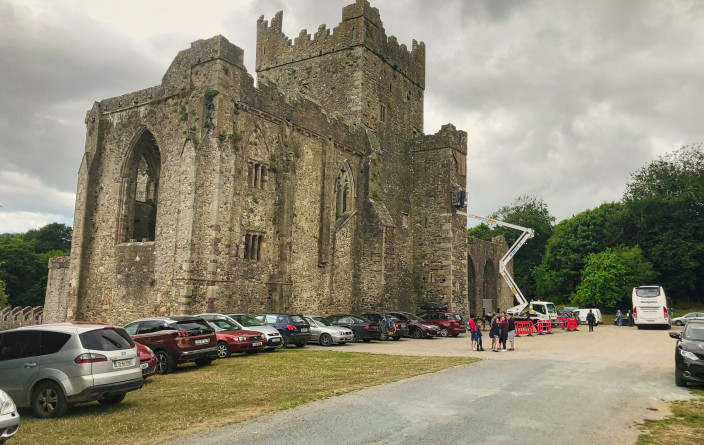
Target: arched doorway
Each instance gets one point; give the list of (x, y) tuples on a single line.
[(490, 288), (140, 190)]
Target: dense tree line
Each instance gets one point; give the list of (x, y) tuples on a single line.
[(24, 263), (654, 235)]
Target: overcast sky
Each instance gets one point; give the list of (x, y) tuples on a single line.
[(561, 100)]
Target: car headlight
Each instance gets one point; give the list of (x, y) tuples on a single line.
[(7, 406), (689, 355)]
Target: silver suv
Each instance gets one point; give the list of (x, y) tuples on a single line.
[(50, 367)]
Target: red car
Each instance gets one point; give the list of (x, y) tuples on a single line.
[(147, 359), (231, 338), (450, 323)]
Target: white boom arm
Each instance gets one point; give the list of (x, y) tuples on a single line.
[(527, 233)]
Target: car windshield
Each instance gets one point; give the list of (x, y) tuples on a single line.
[(648, 291), (321, 320), (694, 331), (551, 309), (107, 339), (246, 320), (360, 319), (297, 319), (222, 325), (193, 327)]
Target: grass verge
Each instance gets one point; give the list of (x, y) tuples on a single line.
[(686, 425), (228, 391)]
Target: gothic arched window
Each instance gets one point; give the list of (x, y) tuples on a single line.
[(140, 191), (344, 191)]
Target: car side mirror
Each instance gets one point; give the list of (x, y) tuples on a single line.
[(676, 335)]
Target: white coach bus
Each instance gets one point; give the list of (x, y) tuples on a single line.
[(651, 307)]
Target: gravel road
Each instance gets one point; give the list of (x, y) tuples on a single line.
[(568, 387)]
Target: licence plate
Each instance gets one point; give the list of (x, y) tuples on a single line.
[(144, 365), (257, 343), (122, 363), (304, 329), (202, 341)]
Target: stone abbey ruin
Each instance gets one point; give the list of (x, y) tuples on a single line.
[(314, 190)]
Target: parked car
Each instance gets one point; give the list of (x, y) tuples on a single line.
[(176, 340), (680, 321), (9, 417), (325, 334), (581, 315), (271, 337), (362, 328), (395, 328), (417, 328), (147, 360), (294, 328), (689, 353), (232, 338), (50, 367), (450, 323)]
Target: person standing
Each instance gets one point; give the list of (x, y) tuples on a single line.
[(477, 322), (495, 333), (630, 319), (504, 331), (511, 331), (619, 317), (591, 319), (472, 328)]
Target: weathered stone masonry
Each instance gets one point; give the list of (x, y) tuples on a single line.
[(314, 191)]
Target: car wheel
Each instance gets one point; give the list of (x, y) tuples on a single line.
[(679, 380), (112, 400), (356, 338), (679, 323), (325, 340), (223, 350), (48, 401), (204, 361), (444, 332), (384, 336), (164, 362), (284, 342), (300, 345), (417, 333)]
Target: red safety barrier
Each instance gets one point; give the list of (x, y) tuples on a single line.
[(544, 327), (572, 324), (561, 323), (523, 328)]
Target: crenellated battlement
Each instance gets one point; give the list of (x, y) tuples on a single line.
[(361, 26)]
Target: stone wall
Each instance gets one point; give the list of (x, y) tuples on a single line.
[(55, 302), (15, 317)]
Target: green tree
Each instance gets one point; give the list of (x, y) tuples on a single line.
[(665, 210), (54, 236), (3, 295), (566, 251), (609, 276), (482, 231)]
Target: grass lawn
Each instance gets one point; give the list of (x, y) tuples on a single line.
[(228, 391), (685, 426)]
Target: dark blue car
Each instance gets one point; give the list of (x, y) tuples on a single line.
[(293, 327)]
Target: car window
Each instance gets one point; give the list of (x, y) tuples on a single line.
[(193, 327), (297, 319), (271, 319), (648, 292), (222, 325), (132, 328), (111, 339), (322, 321), (361, 319), (246, 320), (345, 320), (52, 342), (19, 344), (694, 331), (148, 327)]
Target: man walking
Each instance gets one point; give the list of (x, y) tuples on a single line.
[(591, 319)]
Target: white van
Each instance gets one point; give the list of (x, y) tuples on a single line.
[(651, 307), (581, 315)]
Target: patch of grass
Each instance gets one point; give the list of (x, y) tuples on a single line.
[(686, 425), (229, 391)]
